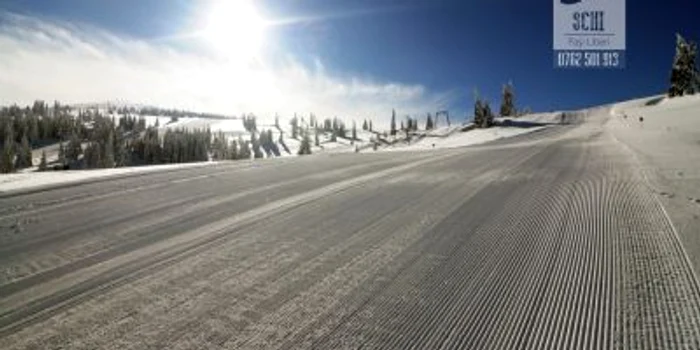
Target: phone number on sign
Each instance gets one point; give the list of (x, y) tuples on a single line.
[(588, 59)]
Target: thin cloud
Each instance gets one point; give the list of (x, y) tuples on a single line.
[(53, 60), (346, 14)]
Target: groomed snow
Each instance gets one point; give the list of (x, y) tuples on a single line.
[(24, 181), (461, 139), (668, 133), (445, 137), (664, 134)]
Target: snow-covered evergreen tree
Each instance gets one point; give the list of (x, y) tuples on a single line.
[(8, 154), (354, 131), (24, 156), (508, 102), (233, 150), (108, 158), (61, 154), (43, 164), (483, 117), (685, 79), (255, 143), (74, 150), (305, 145), (295, 126)]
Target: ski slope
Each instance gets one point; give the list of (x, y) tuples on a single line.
[(664, 136)]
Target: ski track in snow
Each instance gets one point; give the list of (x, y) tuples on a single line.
[(550, 240)]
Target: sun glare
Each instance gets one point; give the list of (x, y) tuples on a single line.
[(234, 28)]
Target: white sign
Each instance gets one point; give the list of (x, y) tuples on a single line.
[(589, 33)]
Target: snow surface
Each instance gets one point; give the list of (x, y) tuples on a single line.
[(668, 134), (151, 120), (543, 118), (444, 137), (452, 137), (666, 143), (29, 180), (228, 126)]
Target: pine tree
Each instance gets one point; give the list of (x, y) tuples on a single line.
[(33, 130), (74, 150), (265, 143), (479, 116), (483, 117), (108, 158), (92, 158), (317, 142), (217, 149), (8, 154), (256, 145), (370, 125), (157, 125), (295, 127), (508, 103), (365, 127), (354, 131), (277, 121), (488, 115), (43, 166), (45, 128), (27, 151), (24, 157), (120, 152), (305, 145), (685, 79), (253, 123), (393, 122), (88, 156), (429, 122), (61, 154), (340, 128), (233, 151), (243, 149)]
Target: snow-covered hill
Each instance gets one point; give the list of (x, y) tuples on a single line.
[(664, 137), (462, 135)]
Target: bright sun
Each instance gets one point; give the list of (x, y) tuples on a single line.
[(234, 28)]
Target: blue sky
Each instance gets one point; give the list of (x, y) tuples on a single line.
[(445, 47)]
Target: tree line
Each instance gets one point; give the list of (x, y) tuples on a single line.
[(87, 139), (162, 112)]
